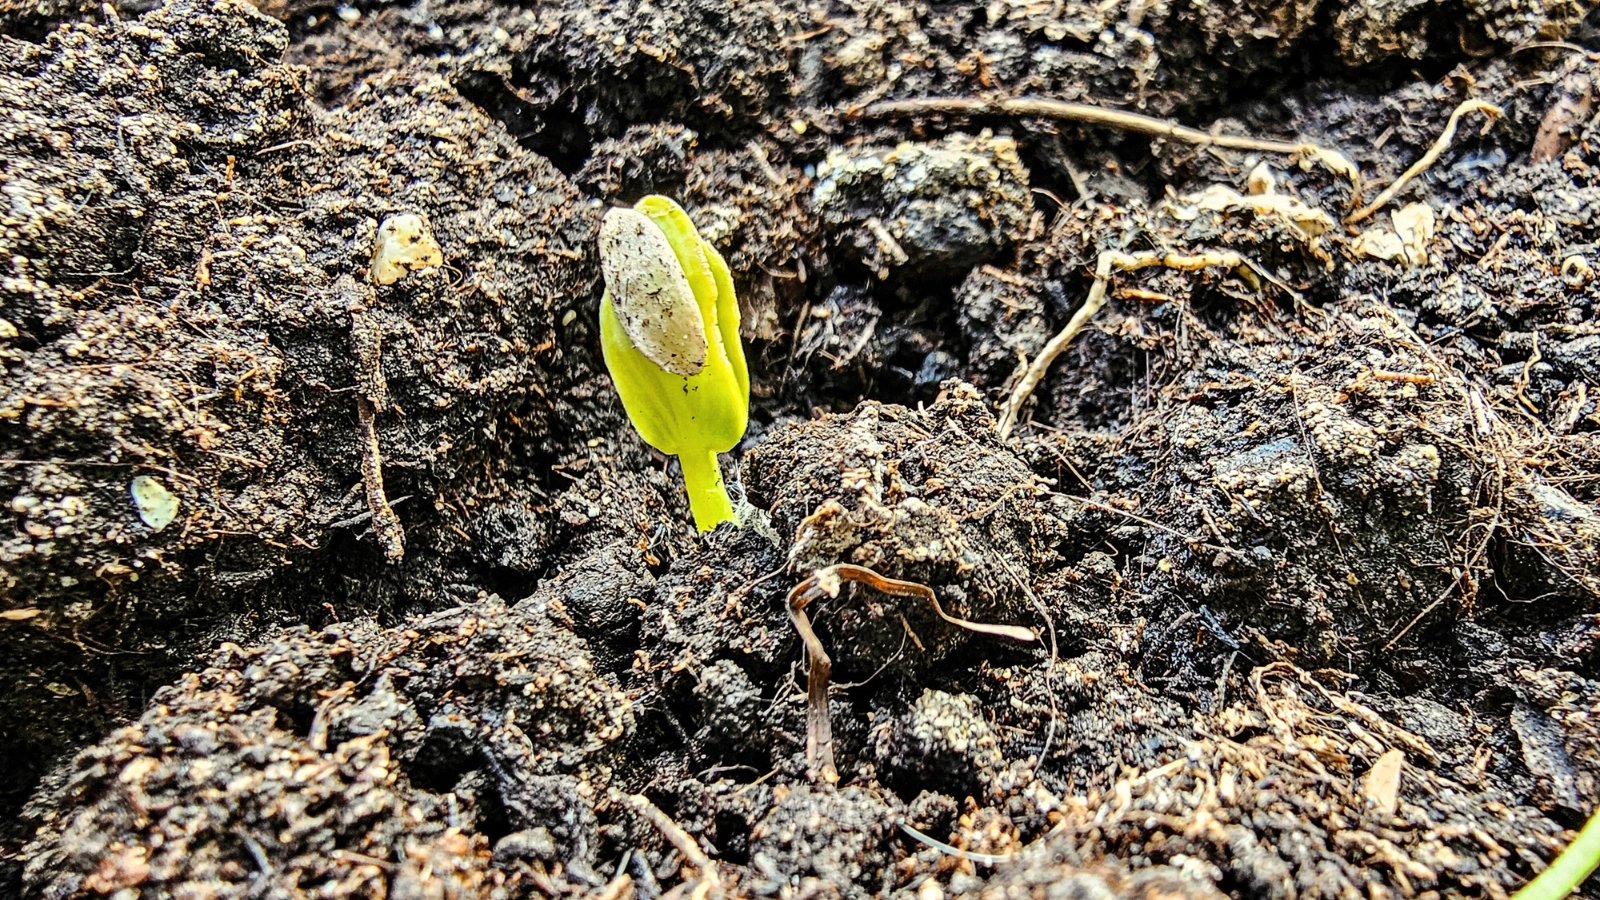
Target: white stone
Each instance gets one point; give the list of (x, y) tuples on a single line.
[(405, 245), (157, 506)]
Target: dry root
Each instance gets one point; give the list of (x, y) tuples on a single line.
[(706, 882), (1110, 260), (1489, 110), (827, 583)]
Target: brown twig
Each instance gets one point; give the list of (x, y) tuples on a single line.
[(1043, 108), (385, 523), (819, 724), (827, 582), (1041, 364), (707, 882), (372, 395), (1108, 261)]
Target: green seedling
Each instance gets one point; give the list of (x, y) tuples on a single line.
[(1568, 871), (669, 329)]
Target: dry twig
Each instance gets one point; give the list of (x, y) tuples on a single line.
[(1122, 262), (372, 395), (707, 883), (385, 522), (1040, 107), (1306, 153), (1421, 165), (828, 582)]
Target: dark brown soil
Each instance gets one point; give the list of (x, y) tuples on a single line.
[(1313, 552)]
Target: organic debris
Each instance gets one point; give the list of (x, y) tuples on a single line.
[(827, 583), (1113, 260)]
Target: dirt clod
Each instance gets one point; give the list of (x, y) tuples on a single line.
[(904, 493), (295, 765), (932, 209)]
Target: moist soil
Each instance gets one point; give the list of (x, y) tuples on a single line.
[(1308, 538)]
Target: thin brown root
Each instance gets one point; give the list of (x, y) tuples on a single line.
[(827, 582), (1428, 159), (372, 395), (707, 882), (1108, 261), (819, 724), (1376, 724), (1041, 364), (1040, 107), (385, 523), (1406, 629)]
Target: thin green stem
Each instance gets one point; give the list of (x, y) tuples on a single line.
[(1568, 870), (708, 498)]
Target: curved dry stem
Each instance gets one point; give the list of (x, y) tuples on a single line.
[(827, 582), (1428, 159), (1121, 120), (707, 883), (1041, 364), (1122, 262)]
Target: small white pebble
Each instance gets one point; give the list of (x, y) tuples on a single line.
[(405, 245), (156, 505)]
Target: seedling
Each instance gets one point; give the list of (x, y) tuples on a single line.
[(669, 329), (1567, 872)]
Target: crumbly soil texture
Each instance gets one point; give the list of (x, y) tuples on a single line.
[(327, 576)]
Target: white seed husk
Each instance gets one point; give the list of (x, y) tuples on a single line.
[(650, 293)]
